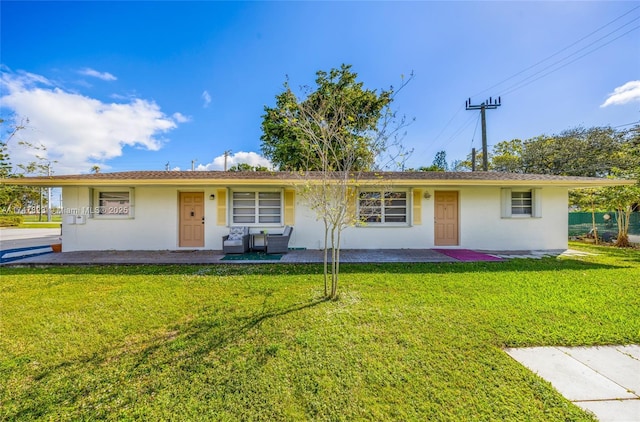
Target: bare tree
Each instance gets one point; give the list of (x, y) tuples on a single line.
[(332, 192)]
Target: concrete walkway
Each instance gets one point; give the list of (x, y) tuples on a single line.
[(602, 380), (198, 257), (215, 257), (12, 238)]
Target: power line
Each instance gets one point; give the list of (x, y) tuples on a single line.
[(627, 124), (564, 49), (473, 137), (520, 84), (528, 80), (456, 133), (448, 123)]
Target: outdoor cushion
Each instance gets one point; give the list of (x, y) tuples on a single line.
[(233, 242), (236, 233)]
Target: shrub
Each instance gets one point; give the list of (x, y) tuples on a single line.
[(10, 220)]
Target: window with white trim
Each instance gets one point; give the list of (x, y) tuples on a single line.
[(521, 203), (248, 207), (112, 203), (385, 207)]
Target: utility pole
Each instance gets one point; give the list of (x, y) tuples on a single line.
[(491, 105), (49, 194), (227, 153), (473, 159)]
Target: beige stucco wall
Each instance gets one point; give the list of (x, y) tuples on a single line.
[(481, 226), (155, 223)]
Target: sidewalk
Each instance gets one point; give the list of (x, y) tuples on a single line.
[(602, 380)]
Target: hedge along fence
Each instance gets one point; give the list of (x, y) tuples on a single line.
[(581, 222), (10, 220)]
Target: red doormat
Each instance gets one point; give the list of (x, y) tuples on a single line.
[(467, 255)]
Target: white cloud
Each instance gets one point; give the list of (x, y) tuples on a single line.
[(80, 131), (624, 94), (252, 158), (206, 97), (181, 118), (105, 76)]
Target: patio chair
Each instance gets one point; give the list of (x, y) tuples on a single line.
[(279, 243), (237, 241)]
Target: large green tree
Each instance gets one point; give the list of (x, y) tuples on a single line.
[(338, 99), (593, 152), (507, 157)]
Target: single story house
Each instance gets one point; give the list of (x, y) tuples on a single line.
[(176, 210)]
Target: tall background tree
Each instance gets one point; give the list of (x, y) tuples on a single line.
[(247, 167), (17, 199), (593, 152), (361, 113), (330, 137), (439, 163), (507, 157)]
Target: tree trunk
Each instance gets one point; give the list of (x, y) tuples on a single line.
[(326, 256), (593, 220), (337, 266), (334, 280), (623, 216)]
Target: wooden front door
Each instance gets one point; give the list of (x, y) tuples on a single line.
[(446, 218), (191, 219)]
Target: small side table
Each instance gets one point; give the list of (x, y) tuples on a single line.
[(262, 242)]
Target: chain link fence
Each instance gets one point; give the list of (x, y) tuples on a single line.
[(580, 223)]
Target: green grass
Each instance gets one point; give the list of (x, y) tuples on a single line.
[(35, 218), (36, 225), (403, 342), (35, 222)]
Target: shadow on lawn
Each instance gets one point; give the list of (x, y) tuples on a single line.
[(183, 351)]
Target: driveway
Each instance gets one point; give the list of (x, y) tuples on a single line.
[(12, 238)]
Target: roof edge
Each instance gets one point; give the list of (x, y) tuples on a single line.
[(219, 178)]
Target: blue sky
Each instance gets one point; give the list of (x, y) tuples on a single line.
[(137, 85)]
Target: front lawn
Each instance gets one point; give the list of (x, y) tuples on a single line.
[(403, 342)]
